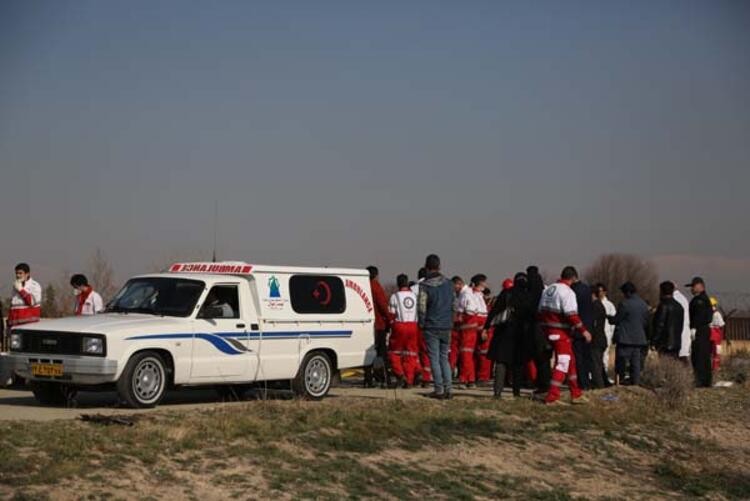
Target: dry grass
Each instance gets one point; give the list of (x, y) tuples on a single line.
[(361, 448), (670, 379)]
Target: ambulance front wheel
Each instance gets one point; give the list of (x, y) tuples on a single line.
[(144, 380), (314, 377)]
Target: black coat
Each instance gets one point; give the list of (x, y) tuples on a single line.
[(512, 340), (598, 325), (667, 326), (701, 313)]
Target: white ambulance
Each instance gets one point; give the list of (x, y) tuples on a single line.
[(228, 323)]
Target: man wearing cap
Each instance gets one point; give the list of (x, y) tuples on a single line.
[(701, 315)]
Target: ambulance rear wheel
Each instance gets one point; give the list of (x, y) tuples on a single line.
[(314, 377), (143, 383)]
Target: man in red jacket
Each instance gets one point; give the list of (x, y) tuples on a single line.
[(558, 318), (26, 303), (382, 322)]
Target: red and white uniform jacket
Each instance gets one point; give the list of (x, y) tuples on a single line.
[(403, 306), (558, 311), (89, 302), (471, 304), (26, 304)]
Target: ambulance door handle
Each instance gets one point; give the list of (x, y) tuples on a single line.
[(240, 326)]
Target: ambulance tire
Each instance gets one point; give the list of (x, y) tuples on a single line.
[(314, 377), (54, 394), (143, 383)]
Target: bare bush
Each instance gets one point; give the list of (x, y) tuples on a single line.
[(670, 379), (50, 302), (101, 275), (613, 270), (736, 367)]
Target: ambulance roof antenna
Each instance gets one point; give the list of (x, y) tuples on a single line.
[(216, 219)]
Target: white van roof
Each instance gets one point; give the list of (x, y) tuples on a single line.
[(243, 268)]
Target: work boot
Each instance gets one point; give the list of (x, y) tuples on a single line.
[(436, 395), (580, 400)]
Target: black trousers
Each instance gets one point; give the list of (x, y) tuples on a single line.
[(381, 351), (598, 372), (501, 371), (582, 352), (701, 357)]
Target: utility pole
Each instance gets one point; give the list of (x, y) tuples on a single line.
[(216, 221)]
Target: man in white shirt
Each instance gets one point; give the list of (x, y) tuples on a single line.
[(474, 314), (26, 303), (88, 301), (609, 329), (459, 287), (686, 337), (403, 346)]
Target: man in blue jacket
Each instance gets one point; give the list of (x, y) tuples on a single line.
[(631, 323), (435, 311)]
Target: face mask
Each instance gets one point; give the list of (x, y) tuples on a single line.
[(76, 292)]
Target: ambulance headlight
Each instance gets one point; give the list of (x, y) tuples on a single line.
[(93, 346), (16, 342)]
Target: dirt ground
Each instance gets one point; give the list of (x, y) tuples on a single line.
[(382, 444)]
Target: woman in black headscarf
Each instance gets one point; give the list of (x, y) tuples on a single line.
[(513, 317), (537, 346)]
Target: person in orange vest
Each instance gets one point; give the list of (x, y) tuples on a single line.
[(88, 301), (473, 316), (403, 345), (26, 303)]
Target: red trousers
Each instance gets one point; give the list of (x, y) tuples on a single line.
[(455, 349), (717, 337), (467, 371), (565, 367), (424, 358), (403, 350), (484, 364)]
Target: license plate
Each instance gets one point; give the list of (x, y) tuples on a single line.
[(48, 370)]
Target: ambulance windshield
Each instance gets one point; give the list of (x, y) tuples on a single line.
[(173, 297)]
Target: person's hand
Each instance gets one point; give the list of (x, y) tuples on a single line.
[(485, 335), (587, 336), (18, 285)]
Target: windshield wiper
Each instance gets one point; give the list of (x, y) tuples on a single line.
[(117, 309)]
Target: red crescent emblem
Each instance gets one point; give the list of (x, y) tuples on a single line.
[(326, 289)]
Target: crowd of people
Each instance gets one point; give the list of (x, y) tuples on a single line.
[(440, 330), (437, 330)]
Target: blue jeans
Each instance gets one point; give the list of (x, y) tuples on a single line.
[(438, 346)]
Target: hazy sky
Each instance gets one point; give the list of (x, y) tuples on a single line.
[(496, 134)]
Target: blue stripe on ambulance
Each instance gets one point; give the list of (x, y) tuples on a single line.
[(232, 349)]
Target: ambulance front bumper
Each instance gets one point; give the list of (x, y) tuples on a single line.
[(71, 369)]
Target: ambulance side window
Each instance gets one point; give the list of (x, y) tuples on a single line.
[(222, 301), (321, 294)]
